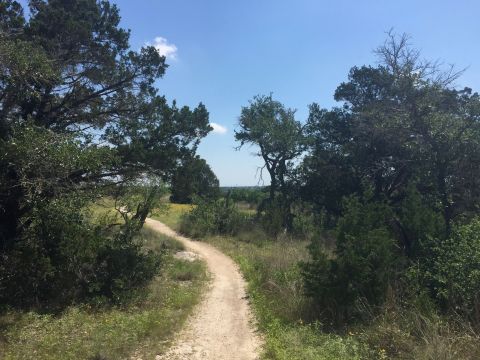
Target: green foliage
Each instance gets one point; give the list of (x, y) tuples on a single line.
[(454, 272), (251, 195), (403, 328), (64, 256), (272, 127), (213, 217), (327, 173), (80, 117), (194, 178), (11, 17), (365, 262), (305, 225), (276, 293), (415, 222), (401, 123), (275, 215), (41, 164), (309, 343), (405, 141)]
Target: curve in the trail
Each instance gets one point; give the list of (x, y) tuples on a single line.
[(221, 327)]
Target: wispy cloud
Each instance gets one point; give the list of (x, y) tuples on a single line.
[(218, 129), (165, 48)]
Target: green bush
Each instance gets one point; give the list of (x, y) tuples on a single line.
[(213, 217), (454, 274), (57, 252), (304, 225), (276, 216), (417, 221), (66, 256), (251, 195), (194, 178), (363, 266)]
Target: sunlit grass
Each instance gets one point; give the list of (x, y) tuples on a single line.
[(170, 214), (103, 207), (276, 292), (286, 316)]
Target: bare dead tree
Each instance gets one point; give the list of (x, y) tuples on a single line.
[(402, 60)]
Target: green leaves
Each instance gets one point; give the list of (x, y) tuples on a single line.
[(403, 152), (365, 262), (212, 217), (80, 117), (271, 126), (454, 274), (402, 124), (194, 178), (47, 164)]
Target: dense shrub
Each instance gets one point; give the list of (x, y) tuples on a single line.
[(194, 178), (416, 221), (454, 274), (276, 216), (80, 113), (213, 217), (363, 265), (53, 250), (304, 225), (66, 256), (251, 195)]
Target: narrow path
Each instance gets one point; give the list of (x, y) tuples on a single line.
[(221, 328)]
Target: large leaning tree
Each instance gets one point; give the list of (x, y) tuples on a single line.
[(269, 125), (79, 114)]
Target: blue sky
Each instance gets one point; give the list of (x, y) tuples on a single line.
[(223, 52)]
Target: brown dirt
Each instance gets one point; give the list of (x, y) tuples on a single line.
[(222, 326)]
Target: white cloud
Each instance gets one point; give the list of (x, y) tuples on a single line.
[(164, 48), (218, 129)]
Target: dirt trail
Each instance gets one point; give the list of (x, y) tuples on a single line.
[(221, 327)]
